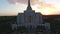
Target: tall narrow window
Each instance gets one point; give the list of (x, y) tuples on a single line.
[(30, 19)]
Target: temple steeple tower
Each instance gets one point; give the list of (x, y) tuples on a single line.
[(29, 6)]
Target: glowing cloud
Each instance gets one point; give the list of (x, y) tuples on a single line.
[(39, 4), (33, 2)]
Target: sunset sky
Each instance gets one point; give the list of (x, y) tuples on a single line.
[(46, 7)]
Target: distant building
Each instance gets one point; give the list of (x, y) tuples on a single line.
[(30, 22)]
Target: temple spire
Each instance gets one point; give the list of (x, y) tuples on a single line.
[(29, 3), (29, 6)]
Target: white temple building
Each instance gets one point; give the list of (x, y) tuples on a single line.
[(32, 22), (29, 17)]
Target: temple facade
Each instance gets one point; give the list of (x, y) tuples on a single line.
[(31, 22)]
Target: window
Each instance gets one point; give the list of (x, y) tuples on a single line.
[(30, 19)]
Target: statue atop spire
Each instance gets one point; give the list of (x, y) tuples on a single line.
[(29, 6)]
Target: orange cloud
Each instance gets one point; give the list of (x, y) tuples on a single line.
[(33, 2), (12, 1), (44, 5), (22, 1), (41, 4)]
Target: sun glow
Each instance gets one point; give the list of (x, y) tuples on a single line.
[(46, 12)]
